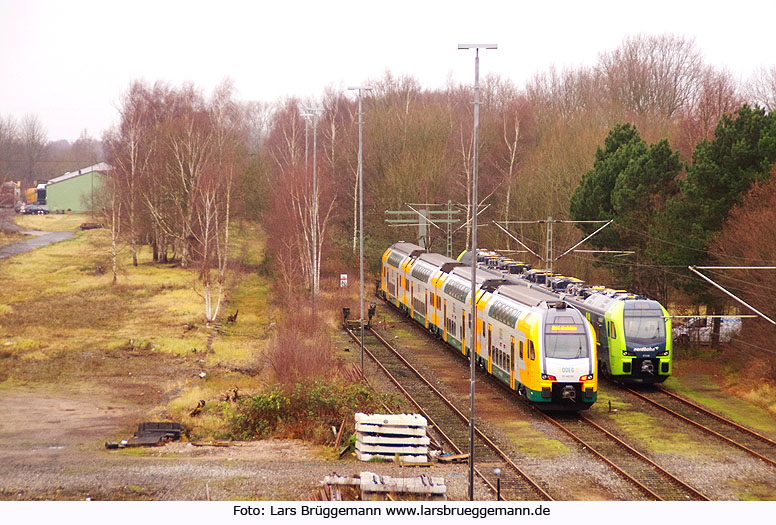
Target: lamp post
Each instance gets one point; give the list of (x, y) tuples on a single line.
[(314, 113), (361, 89), (306, 117), (473, 316), (497, 473)]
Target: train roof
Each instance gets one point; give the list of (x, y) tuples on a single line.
[(435, 259), (485, 278), (532, 296), (604, 301), (407, 248)]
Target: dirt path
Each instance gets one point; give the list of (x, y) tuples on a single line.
[(51, 448), (38, 240)]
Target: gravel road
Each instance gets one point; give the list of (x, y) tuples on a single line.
[(38, 238)]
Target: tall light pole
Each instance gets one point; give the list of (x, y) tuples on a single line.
[(306, 117), (361, 89), (475, 206), (314, 113)]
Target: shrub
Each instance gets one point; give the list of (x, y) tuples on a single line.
[(306, 411), (302, 351)]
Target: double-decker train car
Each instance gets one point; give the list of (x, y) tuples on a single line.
[(525, 337), (633, 332)]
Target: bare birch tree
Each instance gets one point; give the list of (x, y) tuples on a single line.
[(761, 88)]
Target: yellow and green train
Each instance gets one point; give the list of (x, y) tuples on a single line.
[(633, 332), (539, 346)]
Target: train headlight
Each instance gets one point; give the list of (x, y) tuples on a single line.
[(586, 378), (548, 377), (663, 354), (629, 353)]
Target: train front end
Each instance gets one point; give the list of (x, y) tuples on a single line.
[(645, 345), (568, 369)]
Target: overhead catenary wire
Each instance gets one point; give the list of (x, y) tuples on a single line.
[(694, 270)]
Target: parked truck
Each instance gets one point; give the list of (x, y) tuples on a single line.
[(36, 195), (10, 194)]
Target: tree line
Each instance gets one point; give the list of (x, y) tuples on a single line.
[(27, 154), (650, 136)]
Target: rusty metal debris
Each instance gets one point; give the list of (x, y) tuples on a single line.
[(150, 434), (197, 409)]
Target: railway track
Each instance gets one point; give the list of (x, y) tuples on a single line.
[(651, 479), (707, 421), (647, 478), (451, 424)]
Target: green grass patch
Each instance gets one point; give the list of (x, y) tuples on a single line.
[(747, 491), (531, 442), (57, 299), (242, 342), (10, 238), (248, 244), (704, 390), (54, 222), (648, 430)]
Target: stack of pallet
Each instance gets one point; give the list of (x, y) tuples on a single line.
[(400, 437)]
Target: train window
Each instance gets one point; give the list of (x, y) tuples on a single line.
[(531, 351), (521, 349), (483, 329), (565, 346), (612, 330)]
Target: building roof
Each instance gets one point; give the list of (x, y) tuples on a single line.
[(101, 167)]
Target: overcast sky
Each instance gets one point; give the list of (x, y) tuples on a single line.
[(69, 61)]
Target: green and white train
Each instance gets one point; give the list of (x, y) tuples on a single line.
[(633, 333)]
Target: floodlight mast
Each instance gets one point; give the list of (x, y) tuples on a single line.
[(314, 113), (361, 216), (475, 206)]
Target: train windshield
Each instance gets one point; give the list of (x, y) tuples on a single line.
[(566, 346), (645, 327)]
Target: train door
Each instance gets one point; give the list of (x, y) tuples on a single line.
[(463, 331), (525, 347), (512, 363), (398, 287), (445, 318), (602, 346), (425, 308), (434, 312), (490, 347), (412, 299)]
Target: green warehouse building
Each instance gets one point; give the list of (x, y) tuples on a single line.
[(76, 190)]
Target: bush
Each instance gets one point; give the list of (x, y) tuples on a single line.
[(307, 411), (302, 350)]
